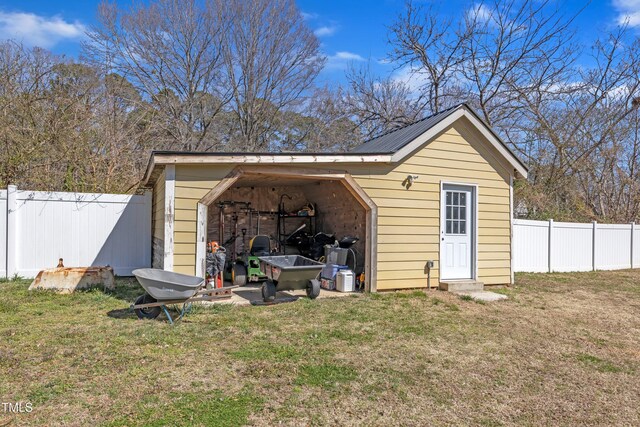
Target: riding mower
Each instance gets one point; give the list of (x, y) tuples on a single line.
[(246, 268)]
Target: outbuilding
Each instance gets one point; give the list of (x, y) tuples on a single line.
[(439, 190)]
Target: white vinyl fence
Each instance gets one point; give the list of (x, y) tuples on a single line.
[(548, 246), (37, 228)]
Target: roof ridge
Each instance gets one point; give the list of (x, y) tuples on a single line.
[(446, 110)]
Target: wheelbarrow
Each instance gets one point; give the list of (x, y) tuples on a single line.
[(288, 273), (168, 288)]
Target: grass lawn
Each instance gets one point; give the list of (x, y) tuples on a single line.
[(564, 349)]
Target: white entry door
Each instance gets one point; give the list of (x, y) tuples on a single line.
[(457, 247)]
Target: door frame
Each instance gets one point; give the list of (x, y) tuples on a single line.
[(474, 224)]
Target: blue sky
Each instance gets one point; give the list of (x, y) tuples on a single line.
[(349, 31)]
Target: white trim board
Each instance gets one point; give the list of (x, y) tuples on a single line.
[(201, 240), (169, 215)]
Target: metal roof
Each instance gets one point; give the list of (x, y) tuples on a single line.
[(394, 140)]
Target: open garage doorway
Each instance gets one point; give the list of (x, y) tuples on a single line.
[(287, 206)]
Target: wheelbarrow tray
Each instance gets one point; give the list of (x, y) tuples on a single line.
[(203, 295), (290, 272), (167, 285)]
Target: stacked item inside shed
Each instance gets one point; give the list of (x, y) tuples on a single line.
[(284, 216)]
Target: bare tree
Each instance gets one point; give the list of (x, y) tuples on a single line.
[(325, 124), (29, 146), (380, 104), (581, 134), (272, 59), (65, 127), (170, 50), (431, 46)]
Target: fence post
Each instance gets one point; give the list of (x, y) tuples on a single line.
[(633, 229), (12, 231), (549, 270), (593, 248)]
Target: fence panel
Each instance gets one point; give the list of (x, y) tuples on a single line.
[(3, 233), (84, 229), (613, 246), (571, 247), (546, 246), (530, 246)]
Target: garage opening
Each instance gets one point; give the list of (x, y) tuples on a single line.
[(317, 217)]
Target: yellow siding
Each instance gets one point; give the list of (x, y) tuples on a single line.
[(408, 219), (192, 183)]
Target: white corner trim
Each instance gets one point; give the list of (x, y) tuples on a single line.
[(511, 228), (201, 240), (476, 231), (169, 215)]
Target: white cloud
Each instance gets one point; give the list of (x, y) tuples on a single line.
[(349, 56), (628, 12), (308, 15), (479, 12), (410, 77), (35, 30), (342, 59), (617, 93), (325, 31)]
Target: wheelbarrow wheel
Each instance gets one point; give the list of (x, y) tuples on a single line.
[(268, 291), (314, 289), (239, 275), (147, 312)]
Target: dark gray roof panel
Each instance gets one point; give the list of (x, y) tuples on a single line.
[(394, 140)]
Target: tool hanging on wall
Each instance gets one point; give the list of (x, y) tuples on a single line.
[(235, 235), (222, 205), (221, 225), (244, 237), (258, 227)]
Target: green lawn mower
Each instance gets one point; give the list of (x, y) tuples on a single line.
[(246, 268)]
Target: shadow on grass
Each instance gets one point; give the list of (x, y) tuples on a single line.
[(126, 289), (122, 313)]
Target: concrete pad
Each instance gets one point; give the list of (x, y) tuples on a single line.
[(486, 296), (461, 286), (246, 294)]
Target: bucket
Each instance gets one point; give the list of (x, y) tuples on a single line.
[(333, 255)]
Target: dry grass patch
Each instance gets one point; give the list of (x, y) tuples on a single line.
[(564, 349)]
